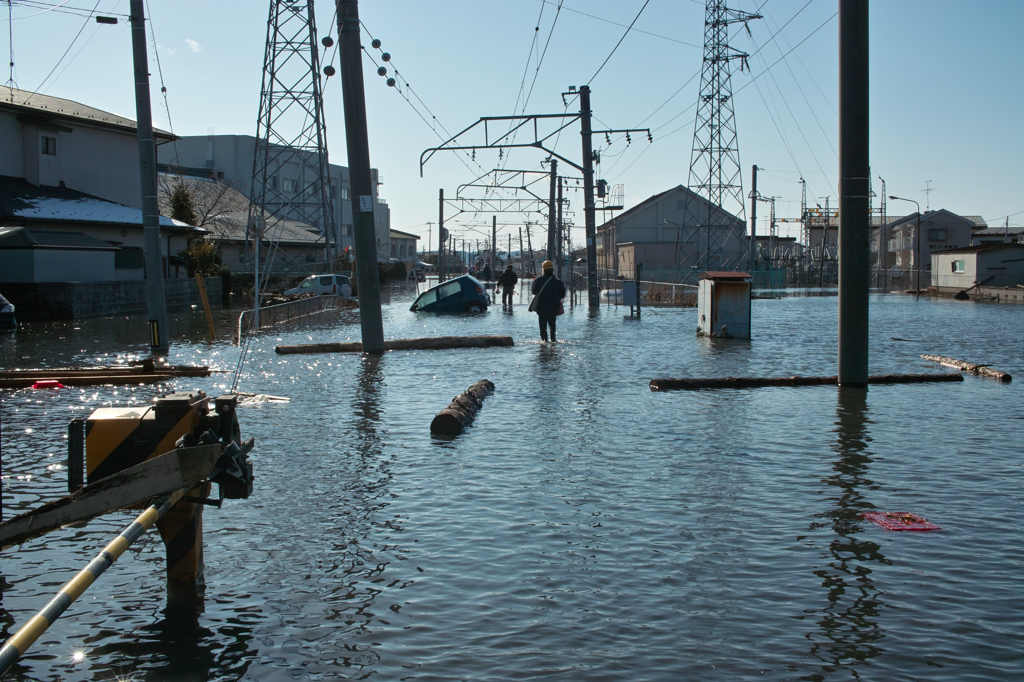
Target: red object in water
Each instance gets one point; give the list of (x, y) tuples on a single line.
[(49, 383), (900, 521)]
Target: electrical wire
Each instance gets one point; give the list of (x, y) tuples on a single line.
[(635, 30), (163, 88), (619, 43), (40, 88)]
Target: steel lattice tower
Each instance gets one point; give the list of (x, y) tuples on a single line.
[(715, 158), (290, 176)]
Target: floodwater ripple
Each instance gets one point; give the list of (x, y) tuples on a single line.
[(584, 528)]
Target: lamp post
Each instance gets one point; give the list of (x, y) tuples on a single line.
[(917, 249)]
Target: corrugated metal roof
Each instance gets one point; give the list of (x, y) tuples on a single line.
[(980, 247), (28, 102), (23, 238), (724, 274)]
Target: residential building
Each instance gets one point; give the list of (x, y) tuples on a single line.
[(996, 265), (229, 159), (671, 230), (403, 246), (940, 230), (997, 235)]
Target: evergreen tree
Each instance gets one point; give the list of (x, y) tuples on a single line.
[(182, 208)]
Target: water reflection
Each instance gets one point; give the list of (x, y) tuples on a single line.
[(848, 627), (179, 647)]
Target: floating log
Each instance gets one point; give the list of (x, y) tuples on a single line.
[(427, 343), (179, 469), (145, 373), (971, 367), (453, 419), (758, 382)]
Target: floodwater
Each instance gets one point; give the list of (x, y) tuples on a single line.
[(584, 528)]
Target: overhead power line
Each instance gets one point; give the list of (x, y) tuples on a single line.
[(619, 43)]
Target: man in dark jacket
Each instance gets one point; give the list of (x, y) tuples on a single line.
[(507, 281), (486, 274), (549, 292)]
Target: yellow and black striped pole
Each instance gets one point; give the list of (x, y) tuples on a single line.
[(17, 645)]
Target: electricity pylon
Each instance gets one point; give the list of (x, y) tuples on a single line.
[(290, 176), (715, 158)]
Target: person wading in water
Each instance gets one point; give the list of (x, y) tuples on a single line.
[(548, 292), (507, 281)]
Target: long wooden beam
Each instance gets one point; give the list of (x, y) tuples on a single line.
[(759, 382), (427, 343)]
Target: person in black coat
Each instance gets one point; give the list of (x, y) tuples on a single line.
[(548, 291), (507, 281)]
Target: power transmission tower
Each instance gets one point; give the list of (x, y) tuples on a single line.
[(715, 157), (290, 176)]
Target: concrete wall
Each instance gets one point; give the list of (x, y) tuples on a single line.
[(56, 265), (77, 300)]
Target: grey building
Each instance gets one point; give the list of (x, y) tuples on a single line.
[(997, 265), (670, 226), (229, 159), (940, 230)]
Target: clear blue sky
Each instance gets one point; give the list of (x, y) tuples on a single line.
[(947, 89)]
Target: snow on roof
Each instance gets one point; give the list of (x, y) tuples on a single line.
[(87, 210)]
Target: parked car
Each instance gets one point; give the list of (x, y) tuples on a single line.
[(324, 284), (463, 294), (7, 321)]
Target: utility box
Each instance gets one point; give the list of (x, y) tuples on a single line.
[(723, 305)]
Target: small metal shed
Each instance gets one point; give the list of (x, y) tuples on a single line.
[(723, 305)]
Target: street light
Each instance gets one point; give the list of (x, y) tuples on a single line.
[(917, 249)]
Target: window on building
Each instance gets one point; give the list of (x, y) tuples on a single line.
[(344, 194), (936, 235), (49, 146), (959, 266), (346, 230), (272, 182), (392, 250), (288, 184)]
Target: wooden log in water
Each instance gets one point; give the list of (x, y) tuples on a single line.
[(453, 419), (971, 367), (759, 382), (427, 343)]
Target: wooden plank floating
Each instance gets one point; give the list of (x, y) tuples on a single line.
[(453, 419), (970, 367), (759, 382), (178, 469), (427, 343), (146, 373)]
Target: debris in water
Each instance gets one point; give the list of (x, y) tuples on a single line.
[(47, 384), (900, 521)]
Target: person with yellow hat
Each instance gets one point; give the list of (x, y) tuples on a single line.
[(548, 292)]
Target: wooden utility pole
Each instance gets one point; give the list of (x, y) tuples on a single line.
[(365, 238), (558, 229), (854, 200), (156, 300), (529, 245), (494, 244), (552, 220)]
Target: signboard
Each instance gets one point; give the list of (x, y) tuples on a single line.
[(417, 276), (444, 234)]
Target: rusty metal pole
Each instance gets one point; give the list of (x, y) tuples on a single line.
[(367, 277), (854, 199)]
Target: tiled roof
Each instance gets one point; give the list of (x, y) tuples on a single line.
[(23, 238), (33, 103)]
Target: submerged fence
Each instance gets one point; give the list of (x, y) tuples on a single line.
[(286, 312)]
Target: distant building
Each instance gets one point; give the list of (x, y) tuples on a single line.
[(997, 235), (403, 246), (669, 228), (229, 159), (941, 230), (998, 265)]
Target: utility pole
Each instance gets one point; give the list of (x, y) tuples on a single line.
[(588, 198), (854, 202), (365, 238), (440, 235), (156, 301), (529, 246), (427, 252), (753, 219), (558, 222), (494, 244), (521, 268), (552, 224)]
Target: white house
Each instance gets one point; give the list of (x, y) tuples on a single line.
[(995, 265), (403, 246)]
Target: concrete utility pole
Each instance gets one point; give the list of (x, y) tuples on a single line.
[(753, 220), (552, 223), (365, 238), (558, 222), (156, 300), (589, 211), (854, 199), (522, 268), (494, 244), (440, 235)]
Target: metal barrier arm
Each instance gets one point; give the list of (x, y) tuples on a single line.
[(16, 646)]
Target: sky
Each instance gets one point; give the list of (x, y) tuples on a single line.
[(946, 90)]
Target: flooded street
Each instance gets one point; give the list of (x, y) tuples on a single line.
[(584, 528)]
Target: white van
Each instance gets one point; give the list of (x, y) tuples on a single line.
[(324, 284)]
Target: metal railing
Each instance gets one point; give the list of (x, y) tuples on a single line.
[(286, 312)]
